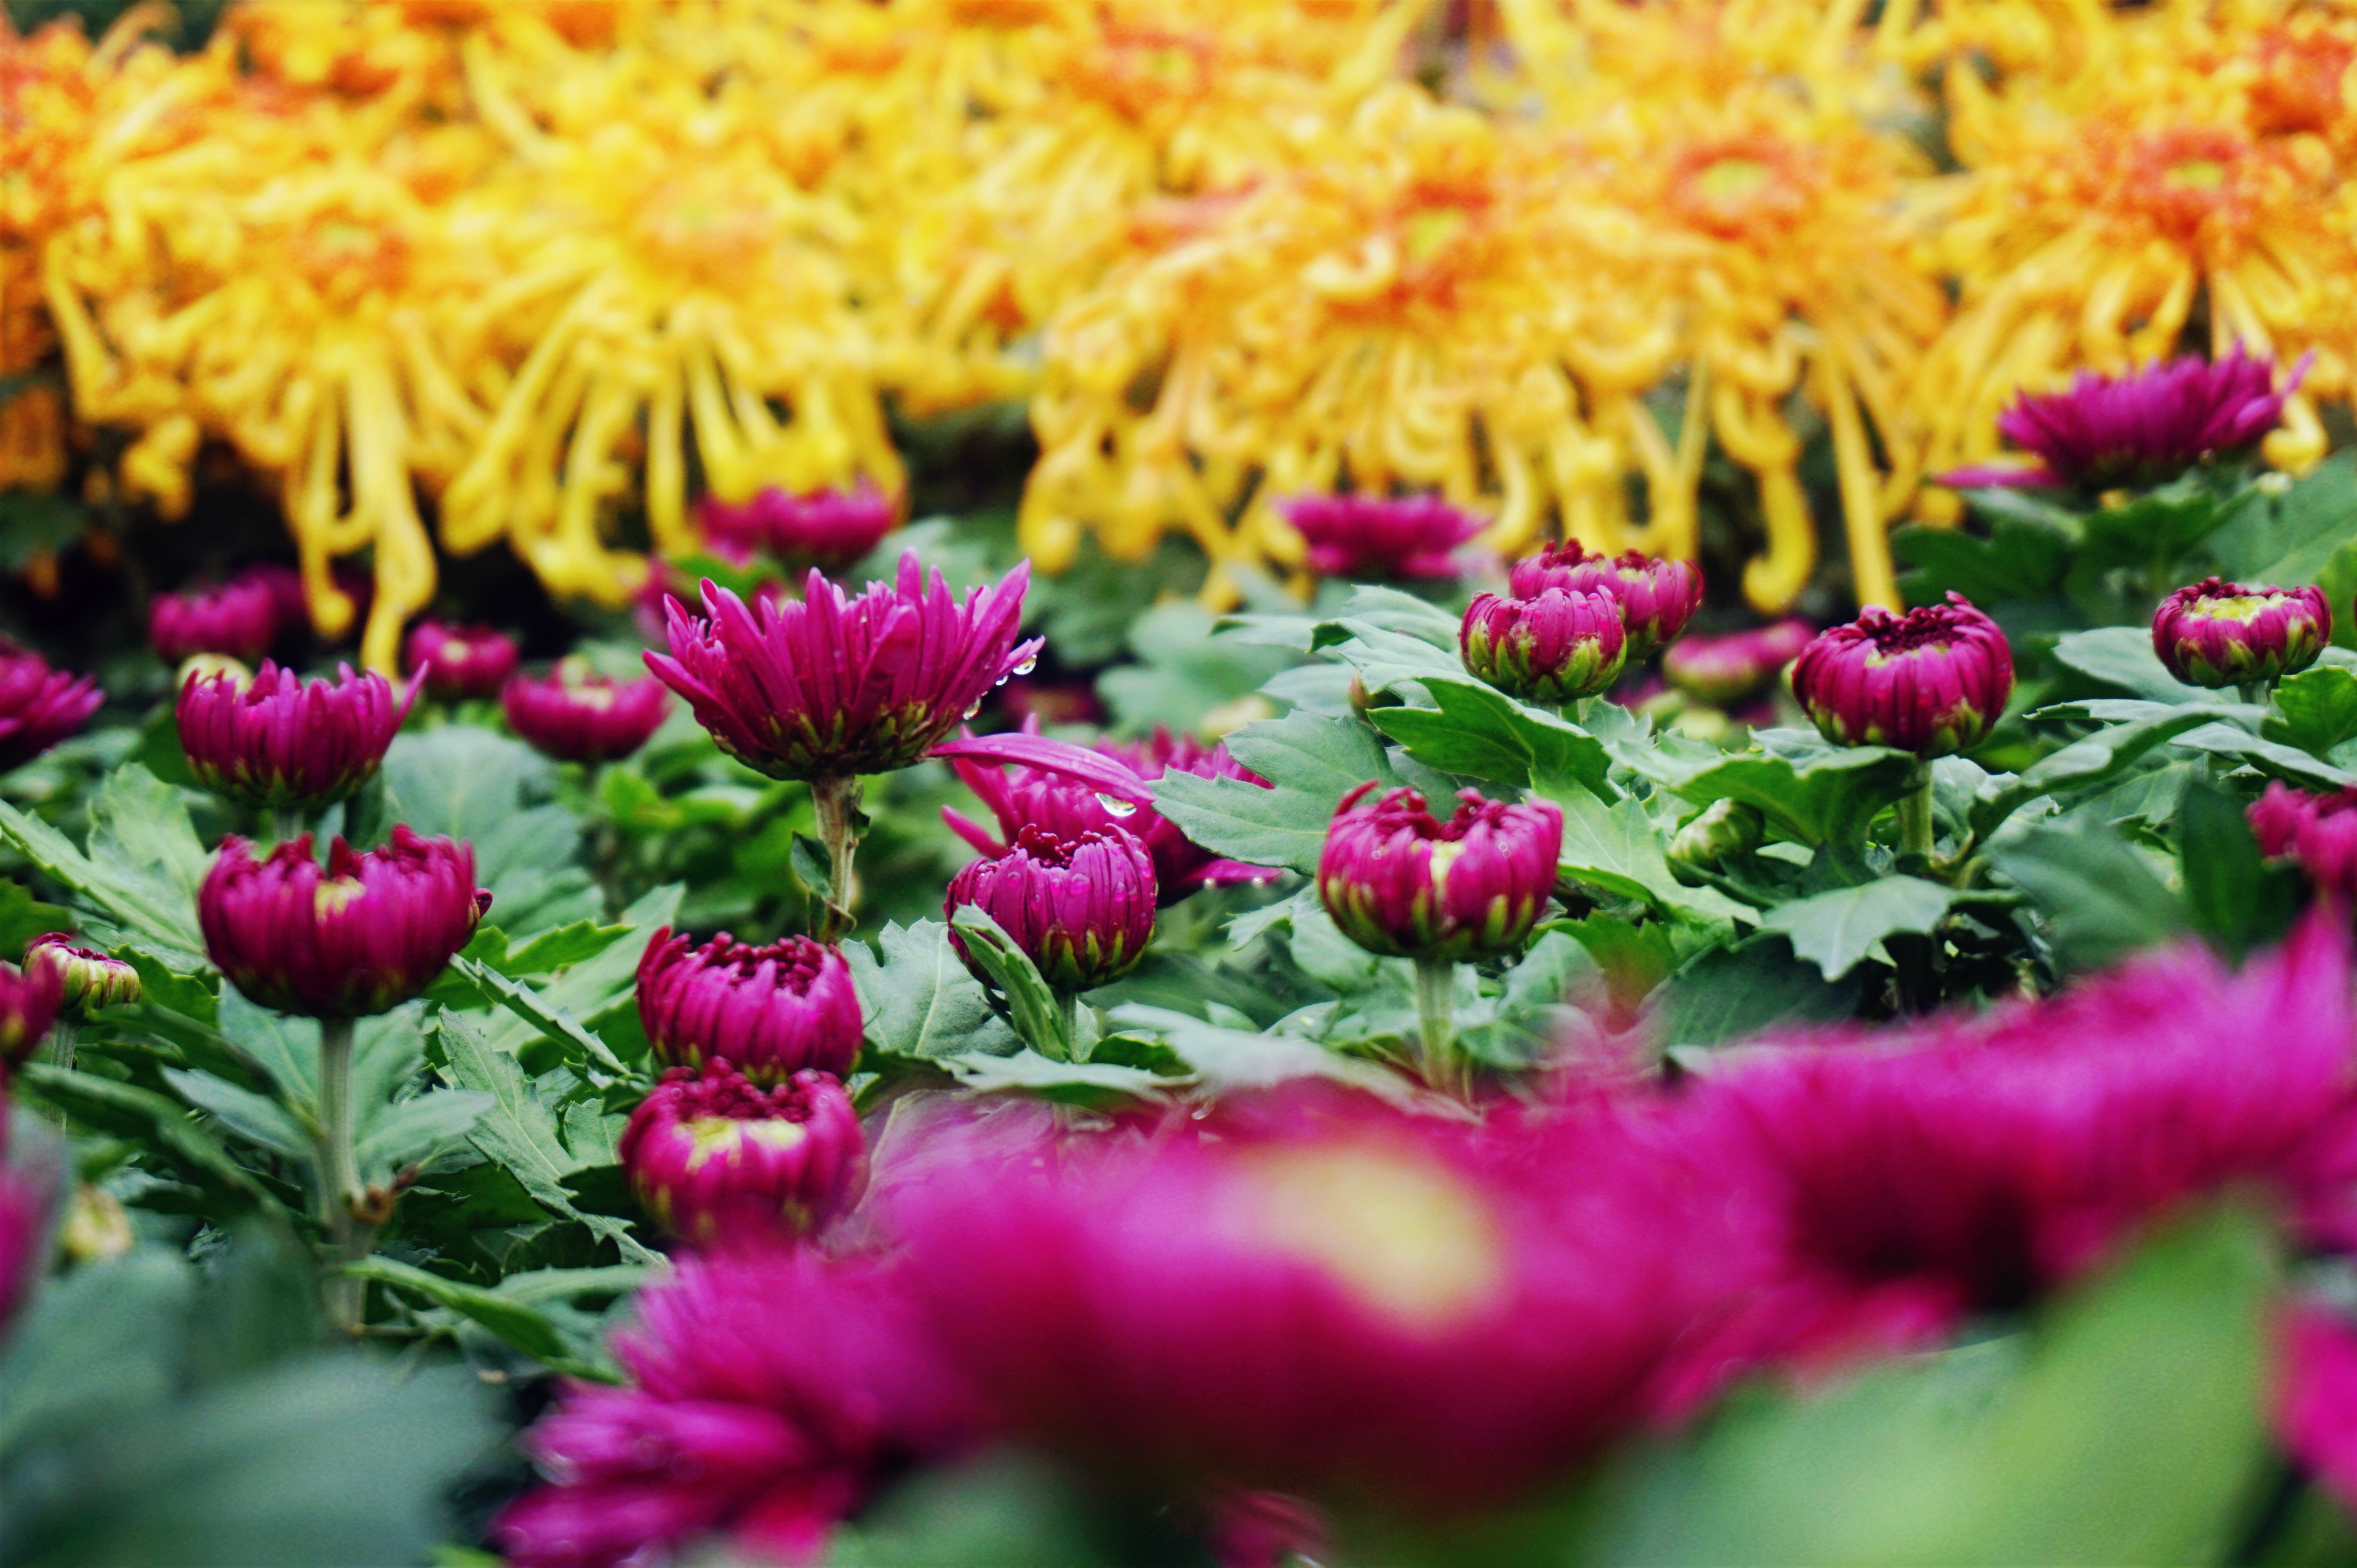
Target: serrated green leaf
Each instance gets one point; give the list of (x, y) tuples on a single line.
[(517, 1323), (2122, 656), (257, 1117), (2271, 758), (412, 1131), (2092, 760), (1029, 1072), (1312, 761), (1810, 791), (1225, 1061), (1836, 930), (1485, 734), (2100, 898), (1617, 848), (2315, 710), (1728, 993), (1039, 1018), (128, 1110), (141, 873), (554, 1021), (920, 1001)]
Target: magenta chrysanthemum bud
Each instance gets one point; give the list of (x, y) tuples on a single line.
[(2143, 428), (1398, 881), (1657, 597), (2319, 832), (1081, 908), (279, 741), (362, 935), (826, 530), (238, 618), (1382, 539), (1931, 682), (285, 585), (575, 716), (2217, 633), (774, 1010), (836, 685), (461, 660), (39, 707), (1038, 794), (88, 979), (719, 1159), (1729, 668), (29, 1000), (2316, 1403), (1551, 649)]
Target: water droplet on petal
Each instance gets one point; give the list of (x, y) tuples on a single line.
[(973, 707), (1115, 807), (1027, 666)]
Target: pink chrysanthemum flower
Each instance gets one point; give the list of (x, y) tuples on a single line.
[(769, 1393), (2319, 832), (39, 707), (1968, 1162), (1382, 539), (1318, 1295), (837, 685), (2316, 1401), (1034, 787), (828, 530), (2140, 429)]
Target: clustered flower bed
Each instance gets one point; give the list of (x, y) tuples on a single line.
[(1456, 1119)]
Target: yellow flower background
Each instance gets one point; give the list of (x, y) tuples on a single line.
[(450, 274)]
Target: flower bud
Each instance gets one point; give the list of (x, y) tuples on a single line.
[(279, 741), (1722, 829), (574, 715), (1931, 682), (1399, 882), (826, 530), (719, 1159), (90, 980), (2318, 831), (461, 660), (238, 618), (774, 1010), (29, 999), (364, 935), (1727, 669), (1657, 597), (2217, 633), (1382, 539), (1551, 649), (1081, 908), (39, 707)]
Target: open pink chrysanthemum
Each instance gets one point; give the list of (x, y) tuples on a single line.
[(2140, 429), (836, 685), (768, 1393)]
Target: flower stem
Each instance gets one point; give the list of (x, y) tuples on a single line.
[(1435, 1008), (836, 802), (1915, 828), (1068, 1014), (339, 1174), (285, 823), (62, 1034), (2254, 691)]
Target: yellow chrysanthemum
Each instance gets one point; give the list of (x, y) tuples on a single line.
[(1412, 306), (655, 264), (2201, 177), (261, 281)]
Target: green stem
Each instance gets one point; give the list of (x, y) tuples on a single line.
[(1915, 828), (2254, 691), (1435, 1008), (285, 823), (836, 802), (60, 1054), (340, 1172), (1068, 1014)]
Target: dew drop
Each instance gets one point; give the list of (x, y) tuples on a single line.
[(1027, 666), (1115, 807), (973, 707)]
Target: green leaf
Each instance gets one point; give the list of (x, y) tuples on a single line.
[(2315, 710), (96, 1346), (1812, 792), (32, 523), (1485, 734), (1633, 958), (1038, 1017), (2100, 898), (920, 1000), (1838, 929), (2235, 898), (412, 1131), (2091, 760), (128, 1110), (554, 1021), (1617, 848), (1312, 761), (142, 868), (2021, 559), (2131, 1432), (23, 918), (517, 1323), (1226, 1060), (519, 1131), (2294, 539), (1026, 1071), (2122, 656), (589, 990), (257, 1117), (462, 780), (2271, 758), (1726, 993)]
